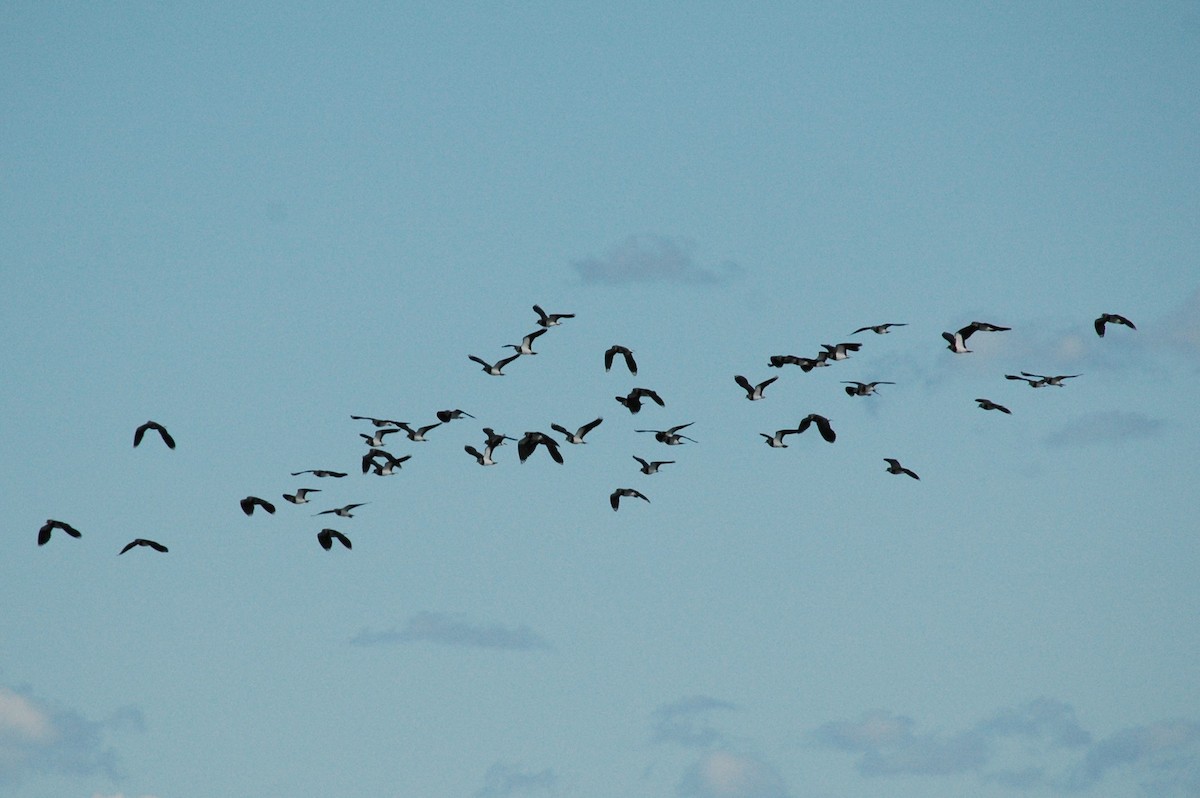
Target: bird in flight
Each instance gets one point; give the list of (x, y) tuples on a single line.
[(633, 401), (879, 329), (51, 525), (494, 438), (614, 498), (626, 352), (577, 436), (839, 351), (326, 537), (551, 319), (419, 433), (250, 502), (988, 404), (320, 472), (531, 440), (894, 467), (671, 436), (143, 542), (496, 369), (863, 388), (1111, 318), (484, 458), (376, 440), (753, 392), (450, 415), (526, 345), (343, 512), (159, 428), (1041, 380), (379, 422), (822, 426), (387, 467), (956, 342), (301, 495), (651, 466), (776, 441)]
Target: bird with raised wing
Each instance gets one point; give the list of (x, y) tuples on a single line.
[(753, 392), (615, 497), (671, 436), (1111, 318), (988, 404), (326, 537), (526, 345), (494, 438), (51, 525), (616, 349), (159, 428), (894, 467), (531, 440), (776, 441), (371, 461), (633, 400), (956, 342), (840, 351), (418, 434), (880, 329), (301, 495), (823, 426), (577, 435), (445, 416), (551, 319), (376, 440), (651, 466), (143, 542), (495, 369), (250, 502), (863, 388), (345, 511), (484, 458)]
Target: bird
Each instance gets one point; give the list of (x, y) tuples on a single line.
[(159, 428), (988, 404), (494, 438), (1111, 318), (526, 345), (320, 472), (1041, 380), (379, 422), (531, 440), (626, 352), (376, 440), (250, 502), (863, 388), (822, 426), (651, 466), (894, 467), (51, 525), (450, 415), (301, 495), (880, 329), (779, 361), (389, 465), (633, 400), (776, 441), (614, 498), (496, 370), (956, 342), (418, 434), (326, 536), (840, 351), (671, 436), (342, 512), (143, 542), (577, 436), (807, 364), (753, 392), (484, 458), (551, 319)]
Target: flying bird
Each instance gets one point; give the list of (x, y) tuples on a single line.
[(159, 428), (531, 440), (753, 392), (863, 388), (326, 537), (1041, 380), (633, 401), (389, 465), (484, 458), (320, 472), (376, 440), (496, 370), (956, 342), (651, 466), (671, 436), (51, 525), (840, 351), (776, 441), (450, 415), (250, 502), (551, 319), (988, 404), (577, 436), (526, 345), (614, 498), (143, 542), (894, 467), (342, 512), (378, 422), (418, 434), (779, 361), (879, 329), (626, 352), (822, 426), (301, 495), (1111, 318), (494, 438)]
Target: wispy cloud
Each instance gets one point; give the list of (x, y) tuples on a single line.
[(1163, 757), (726, 774), (652, 259), (686, 722), (38, 738), (502, 780), (451, 630), (1105, 427)]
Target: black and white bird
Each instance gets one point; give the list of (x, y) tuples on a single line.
[(346, 511), (779, 361), (614, 498), (326, 537), (376, 440), (484, 458), (495, 369), (418, 434), (143, 542), (988, 404), (651, 466), (382, 463), (531, 440), (879, 329), (445, 416), (301, 495), (633, 400), (577, 435), (823, 426), (626, 352), (1041, 380), (1111, 318), (494, 438), (894, 467), (551, 319), (956, 342), (671, 436), (776, 441), (753, 392), (320, 472), (159, 428), (526, 345), (840, 351), (51, 525), (378, 422), (250, 502), (863, 388)]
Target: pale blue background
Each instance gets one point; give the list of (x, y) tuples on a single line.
[(249, 224)]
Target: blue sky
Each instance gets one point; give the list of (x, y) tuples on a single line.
[(249, 224)]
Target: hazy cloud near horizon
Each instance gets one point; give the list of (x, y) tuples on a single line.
[(652, 259), (452, 630), (503, 780), (1104, 426)]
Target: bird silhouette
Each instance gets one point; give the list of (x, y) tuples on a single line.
[(614, 498), (51, 525), (159, 428), (1111, 318), (894, 467), (250, 502), (627, 353), (143, 542), (326, 537)]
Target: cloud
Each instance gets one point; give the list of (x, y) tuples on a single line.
[(501, 780), (651, 259), (436, 627), (1037, 746), (685, 722), (37, 738), (725, 774), (1105, 427)]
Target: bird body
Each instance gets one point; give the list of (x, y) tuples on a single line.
[(250, 502), (326, 537), (988, 404), (531, 440), (494, 369), (840, 351), (627, 353), (863, 388), (377, 440), (418, 434), (894, 467), (143, 542), (1111, 318), (651, 466), (776, 441), (378, 422), (159, 428), (614, 498), (342, 512), (879, 329), (389, 465), (956, 342), (301, 495), (51, 525), (577, 436), (633, 400), (1041, 380), (823, 426), (526, 345), (551, 319), (484, 458), (671, 436), (450, 415), (753, 392)]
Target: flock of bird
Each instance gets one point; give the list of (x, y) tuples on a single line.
[(380, 462)]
